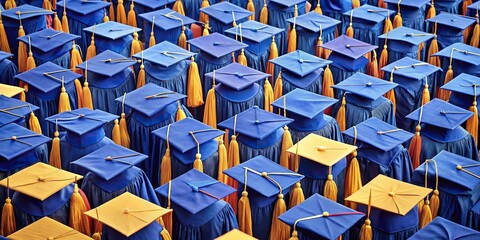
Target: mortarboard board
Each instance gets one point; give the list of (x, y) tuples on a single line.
[(49, 44), (468, 56), (405, 39), (300, 63), (82, 125), (443, 229), (451, 24), (153, 5), (313, 22), (127, 213), (82, 10), (24, 12), (440, 114), (368, 15), (321, 217), (193, 191), (17, 142), (472, 9), (14, 110), (235, 234), (347, 52), (165, 54), (40, 180), (226, 13), (365, 86), (286, 3), (47, 228), (46, 79), (112, 35), (151, 99), (110, 161), (464, 84), (180, 136), (408, 69), (255, 34), (5, 55), (408, 3), (10, 91), (217, 45), (167, 19)]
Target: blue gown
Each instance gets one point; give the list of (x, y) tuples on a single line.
[(151, 232), (61, 56), (413, 18), (133, 180), (173, 77), (192, 8), (220, 27), (268, 147), (364, 32), (277, 17), (397, 52), (311, 82), (341, 73), (170, 35), (307, 40), (228, 104), (257, 53), (8, 70), (464, 101), (325, 127), (474, 217), (316, 177), (207, 63), (451, 6)]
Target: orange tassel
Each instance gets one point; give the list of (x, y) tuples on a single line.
[(182, 39), (178, 7), (475, 40), (78, 88), (425, 94), (355, 3), (278, 91), (9, 225), (416, 147), (381, 4), (194, 86), (65, 27), (390, 95), (431, 11), (318, 9), (77, 220), (204, 17), (111, 11), (272, 55), (152, 41), (55, 157), (57, 25), (268, 95), (132, 17), (121, 15), (4, 46), (136, 46), (292, 38), (465, 5), (327, 83), (75, 57), (251, 8), (22, 51), (341, 117), (383, 60), (445, 94), (472, 122), (210, 113), (264, 13), (116, 133), (353, 179)]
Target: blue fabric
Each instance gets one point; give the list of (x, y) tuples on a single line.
[(290, 82), (103, 98), (258, 4), (192, 8), (277, 17), (207, 63), (312, 185), (227, 108), (161, 35), (451, 6), (364, 32), (28, 210), (329, 129), (134, 180), (211, 222), (63, 60), (8, 70), (339, 74), (307, 40), (260, 61), (173, 77), (446, 39), (473, 220), (151, 232), (268, 147), (412, 18), (461, 68)]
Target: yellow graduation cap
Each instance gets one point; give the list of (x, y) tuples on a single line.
[(325, 152), (12, 91), (47, 228), (128, 214), (235, 234)]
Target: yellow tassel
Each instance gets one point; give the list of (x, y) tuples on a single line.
[(279, 229), (433, 60), (77, 220), (4, 46), (87, 96), (91, 50), (22, 96), (415, 147), (245, 214), (318, 9), (178, 7), (31, 61), (197, 164), (431, 11), (121, 15), (397, 20), (210, 113), (355, 3), (152, 42), (206, 28), (182, 39), (105, 19), (22, 51), (141, 76), (132, 17), (222, 162), (425, 95), (55, 159), (204, 17), (34, 123), (319, 48), (8, 5), (241, 58), (57, 24), (435, 203), (330, 190), (327, 84), (272, 55), (388, 26), (390, 95), (116, 133), (64, 101), (165, 234), (251, 8), (292, 40), (472, 122), (349, 32), (341, 118), (353, 179), (180, 113), (97, 236), (381, 4), (264, 13), (286, 144), (168, 221), (9, 225), (65, 27), (194, 86), (268, 95), (374, 71), (294, 235), (47, 5), (475, 40), (75, 57), (445, 94), (278, 91), (136, 45), (383, 60), (111, 11), (166, 168), (465, 5), (124, 131), (233, 160), (366, 231), (296, 197), (425, 214)]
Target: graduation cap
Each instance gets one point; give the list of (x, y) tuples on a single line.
[(47, 228), (265, 181), (83, 11), (12, 91), (368, 17), (168, 25), (128, 214), (320, 217), (216, 45), (235, 234), (347, 53), (391, 205), (466, 88), (322, 158), (406, 9), (225, 14), (14, 110), (153, 5), (405, 39), (296, 69), (110, 161), (48, 81), (443, 229), (112, 35), (306, 108), (5, 55), (450, 26)]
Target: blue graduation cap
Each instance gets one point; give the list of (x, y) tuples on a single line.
[(411, 11), (167, 24), (306, 108), (443, 229), (450, 27), (472, 9), (217, 45), (408, 71), (153, 5), (88, 12), (110, 161), (189, 137), (224, 15), (14, 110), (5, 55), (365, 86), (465, 58), (465, 89), (165, 54), (347, 53), (17, 142), (112, 36), (320, 217), (193, 191), (405, 41)]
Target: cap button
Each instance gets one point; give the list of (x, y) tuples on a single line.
[(257, 121), (50, 238), (300, 60), (126, 211), (239, 75), (108, 158), (391, 194), (347, 46), (321, 148), (14, 137), (326, 214), (41, 179), (443, 112), (215, 44), (264, 174), (459, 167), (369, 84), (81, 115)]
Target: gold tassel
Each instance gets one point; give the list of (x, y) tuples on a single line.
[(178, 7), (166, 165), (319, 49), (383, 60), (180, 113), (425, 94), (75, 57), (204, 17), (433, 60), (206, 28), (445, 94), (425, 214), (152, 41), (286, 144), (210, 113), (124, 136), (233, 160), (465, 5), (292, 38), (65, 27), (294, 235), (165, 234), (397, 21), (87, 96), (77, 220), (353, 179), (30, 60), (57, 24), (47, 5), (390, 95), (116, 133), (9, 4), (197, 164), (92, 49), (22, 96), (268, 95), (111, 11), (349, 32), (64, 101), (222, 162), (472, 122), (475, 40), (22, 51), (327, 84), (244, 210), (251, 8), (97, 236), (141, 76), (78, 88), (194, 86), (182, 40), (9, 225), (296, 196), (431, 11), (330, 190), (241, 58), (121, 15), (264, 13), (374, 71), (381, 4), (415, 147), (341, 117), (279, 229), (34, 123), (318, 9), (136, 44), (272, 55), (435, 203), (355, 3), (168, 220), (388, 26), (4, 46), (132, 16), (366, 232), (55, 159), (105, 19), (278, 91)]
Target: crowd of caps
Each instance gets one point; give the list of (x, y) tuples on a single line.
[(240, 119)]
